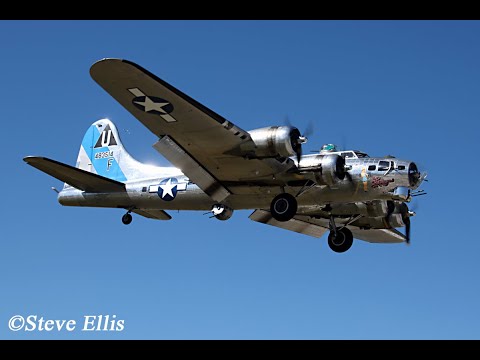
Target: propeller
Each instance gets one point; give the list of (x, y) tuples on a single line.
[(299, 139), (347, 174), (302, 139), (407, 228), (415, 205), (390, 210), (344, 142), (406, 214)]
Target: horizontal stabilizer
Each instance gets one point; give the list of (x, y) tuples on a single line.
[(153, 214), (78, 178)]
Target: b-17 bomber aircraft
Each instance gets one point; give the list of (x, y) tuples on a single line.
[(219, 168)]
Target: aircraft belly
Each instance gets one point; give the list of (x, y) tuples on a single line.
[(185, 200)]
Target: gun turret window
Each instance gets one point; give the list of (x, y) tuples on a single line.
[(383, 165)]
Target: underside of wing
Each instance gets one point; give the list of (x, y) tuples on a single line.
[(316, 227), (203, 138), (153, 214), (378, 235), (300, 224), (77, 178)]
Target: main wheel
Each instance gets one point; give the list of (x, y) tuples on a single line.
[(283, 207), (342, 242), (127, 218)]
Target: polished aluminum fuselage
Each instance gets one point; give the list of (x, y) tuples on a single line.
[(361, 185)]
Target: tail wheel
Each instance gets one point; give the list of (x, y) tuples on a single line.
[(127, 218), (283, 207), (342, 241)]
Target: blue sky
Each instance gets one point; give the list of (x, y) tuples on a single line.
[(406, 88)]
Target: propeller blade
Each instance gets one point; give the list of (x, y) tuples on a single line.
[(344, 142), (390, 210), (309, 129), (406, 213), (415, 206), (348, 176), (407, 228), (302, 139), (299, 153)]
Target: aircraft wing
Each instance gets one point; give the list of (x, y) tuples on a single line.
[(78, 178), (377, 235), (192, 137), (317, 227), (153, 214), (300, 224)]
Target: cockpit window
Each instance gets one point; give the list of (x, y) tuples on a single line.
[(383, 165), (348, 154), (361, 154)]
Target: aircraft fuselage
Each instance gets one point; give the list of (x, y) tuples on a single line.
[(370, 179)]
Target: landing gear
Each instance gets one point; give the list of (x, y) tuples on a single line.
[(283, 207), (127, 218), (339, 240)]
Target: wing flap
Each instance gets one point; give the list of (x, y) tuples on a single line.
[(78, 178), (181, 159), (153, 214), (299, 224)]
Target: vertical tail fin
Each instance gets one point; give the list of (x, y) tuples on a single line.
[(102, 153)]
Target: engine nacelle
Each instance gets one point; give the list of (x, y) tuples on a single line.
[(396, 220), (379, 208), (222, 212), (274, 141), (327, 169)]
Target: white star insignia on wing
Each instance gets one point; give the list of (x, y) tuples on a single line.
[(167, 188), (150, 105)]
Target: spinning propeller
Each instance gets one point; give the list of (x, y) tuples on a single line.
[(298, 139), (405, 213)]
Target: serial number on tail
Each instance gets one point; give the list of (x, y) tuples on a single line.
[(104, 154)]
